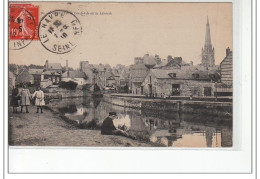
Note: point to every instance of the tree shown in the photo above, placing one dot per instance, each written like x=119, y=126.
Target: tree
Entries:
x=70, y=85
x=32, y=66
x=13, y=68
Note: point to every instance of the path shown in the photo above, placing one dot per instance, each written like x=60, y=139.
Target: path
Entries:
x=48, y=129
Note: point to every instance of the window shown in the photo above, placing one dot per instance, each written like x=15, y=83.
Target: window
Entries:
x=195, y=76
x=172, y=75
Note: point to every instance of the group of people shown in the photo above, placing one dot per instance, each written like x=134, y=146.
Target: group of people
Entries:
x=23, y=98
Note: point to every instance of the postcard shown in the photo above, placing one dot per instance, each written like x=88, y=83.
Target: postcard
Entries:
x=96, y=74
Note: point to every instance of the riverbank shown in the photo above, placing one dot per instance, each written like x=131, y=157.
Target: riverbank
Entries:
x=49, y=129
x=171, y=105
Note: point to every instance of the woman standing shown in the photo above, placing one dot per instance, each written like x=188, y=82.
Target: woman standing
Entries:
x=15, y=99
x=39, y=99
x=25, y=98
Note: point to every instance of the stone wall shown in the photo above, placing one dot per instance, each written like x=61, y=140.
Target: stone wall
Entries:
x=163, y=87
x=201, y=107
x=63, y=93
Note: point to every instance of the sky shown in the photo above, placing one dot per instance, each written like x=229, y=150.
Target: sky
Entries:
x=131, y=30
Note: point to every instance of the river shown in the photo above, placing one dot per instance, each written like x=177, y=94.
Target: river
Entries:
x=164, y=129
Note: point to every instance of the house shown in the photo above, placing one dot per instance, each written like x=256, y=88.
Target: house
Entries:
x=226, y=68
x=138, y=72
x=52, y=67
x=90, y=70
x=54, y=76
x=162, y=83
x=36, y=73
x=172, y=63
x=24, y=77
x=101, y=78
x=52, y=71
x=78, y=77
x=45, y=83
x=110, y=79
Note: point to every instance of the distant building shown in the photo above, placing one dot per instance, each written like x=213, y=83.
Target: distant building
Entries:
x=226, y=68
x=36, y=73
x=172, y=63
x=208, y=52
x=111, y=82
x=90, y=70
x=51, y=71
x=24, y=77
x=162, y=83
x=137, y=74
x=52, y=67
x=138, y=60
x=84, y=65
x=54, y=76
x=45, y=83
x=101, y=79
x=78, y=77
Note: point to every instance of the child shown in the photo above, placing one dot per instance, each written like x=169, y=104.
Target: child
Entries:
x=39, y=99
x=15, y=99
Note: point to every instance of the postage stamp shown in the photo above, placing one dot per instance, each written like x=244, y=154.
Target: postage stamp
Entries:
x=23, y=25
x=59, y=31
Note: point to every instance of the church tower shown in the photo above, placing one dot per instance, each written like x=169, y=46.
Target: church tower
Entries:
x=208, y=53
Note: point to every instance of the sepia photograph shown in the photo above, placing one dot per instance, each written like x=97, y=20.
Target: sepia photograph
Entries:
x=117, y=74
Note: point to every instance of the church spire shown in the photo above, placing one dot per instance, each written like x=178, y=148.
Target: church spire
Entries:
x=207, y=38
x=208, y=53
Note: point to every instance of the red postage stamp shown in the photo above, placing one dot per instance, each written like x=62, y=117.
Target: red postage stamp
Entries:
x=23, y=24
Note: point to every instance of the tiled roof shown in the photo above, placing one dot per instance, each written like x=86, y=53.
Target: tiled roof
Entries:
x=55, y=66
x=35, y=71
x=180, y=74
x=162, y=64
x=74, y=74
x=50, y=73
x=138, y=70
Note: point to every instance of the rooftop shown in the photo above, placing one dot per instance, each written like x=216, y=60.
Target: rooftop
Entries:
x=54, y=66
x=181, y=74
x=74, y=74
x=35, y=71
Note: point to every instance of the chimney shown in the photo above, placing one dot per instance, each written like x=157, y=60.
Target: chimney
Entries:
x=67, y=66
x=47, y=64
x=227, y=51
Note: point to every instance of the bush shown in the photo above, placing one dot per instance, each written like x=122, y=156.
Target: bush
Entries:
x=70, y=85
x=96, y=88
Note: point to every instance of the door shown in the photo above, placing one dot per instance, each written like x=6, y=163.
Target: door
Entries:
x=207, y=91
x=175, y=89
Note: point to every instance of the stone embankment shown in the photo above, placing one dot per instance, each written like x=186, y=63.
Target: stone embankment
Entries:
x=173, y=105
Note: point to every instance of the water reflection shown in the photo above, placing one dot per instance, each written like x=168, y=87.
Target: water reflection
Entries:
x=164, y=128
